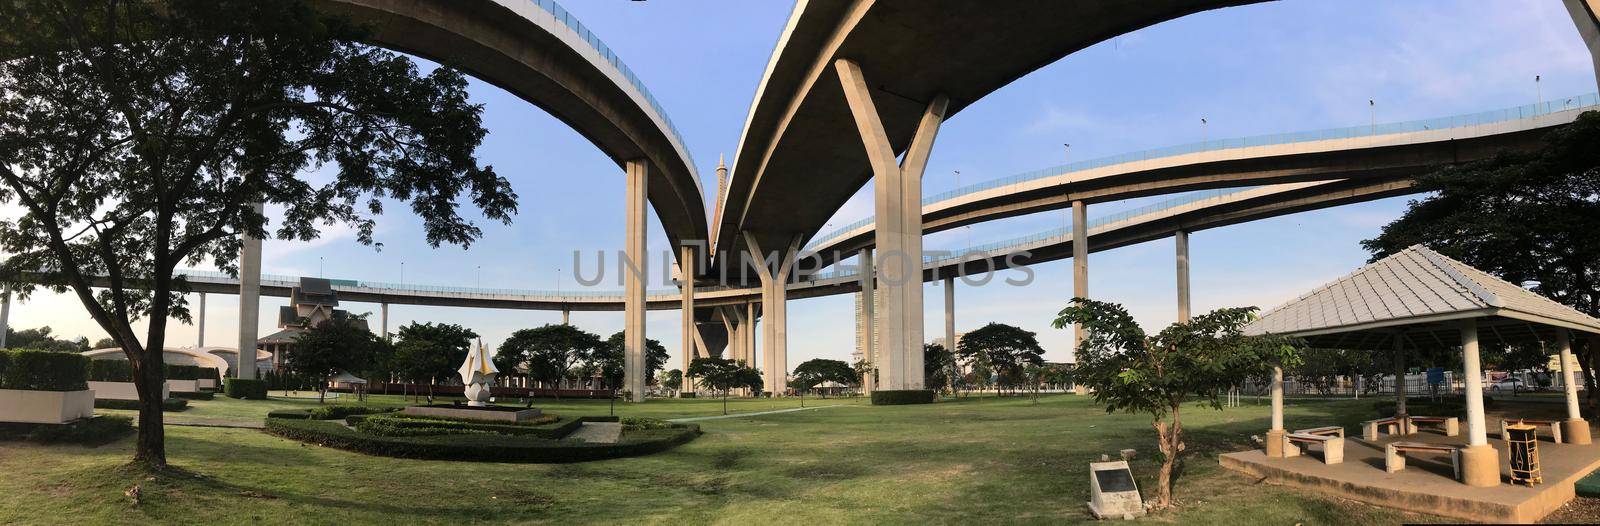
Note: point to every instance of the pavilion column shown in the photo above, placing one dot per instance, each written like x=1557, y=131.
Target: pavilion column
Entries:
x=1575, y=429
x=1080, y=262
x=686, y=266
x=634, y=279
x=1400, y=413
x=249, y=302
x=1480, y=462
x=1181, y=239
x=867, y=323
x=1275, y=435
x=897, y=191
x=200, y=323
x=1586, y=15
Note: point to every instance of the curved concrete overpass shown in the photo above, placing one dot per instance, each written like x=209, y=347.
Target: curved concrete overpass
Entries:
x=800, y=156
x=539, y=52
x=1412, y=148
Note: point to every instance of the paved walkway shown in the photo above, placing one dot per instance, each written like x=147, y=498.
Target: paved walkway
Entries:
x=720, y=417
x=598, y=432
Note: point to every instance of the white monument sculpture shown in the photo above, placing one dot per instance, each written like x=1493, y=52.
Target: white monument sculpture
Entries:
x=478, y=373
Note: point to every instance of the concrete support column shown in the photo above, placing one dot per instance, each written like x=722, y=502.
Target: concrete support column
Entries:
x=750, y=334
x=1275, y=435
x=249, y=302
x=950, y=324
x=566, y=317
x=1080, y=262
x=383, y=317
x=1181, y=239
x=5, y=316
x=868, y=323
x=1480, y=462
x=686, y=266
x=897, y=191
x=200, y=323
x=1586, y=15
x=774, y=277
x=633, y=297
x=1575, y=429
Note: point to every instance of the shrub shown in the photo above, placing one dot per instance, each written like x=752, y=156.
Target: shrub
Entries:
x=546, y=426
x=112, y=370
x=170, y=404
x=34, y=370
x=244, y=388
x=915, y=396
x=89, y=431
x=632, y=423
x=197, y=395
x=490, y=447
x=184, y=372
x=332, y=412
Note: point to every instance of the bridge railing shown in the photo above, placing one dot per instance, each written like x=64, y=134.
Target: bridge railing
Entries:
x=1528, y=111
x=566, y=18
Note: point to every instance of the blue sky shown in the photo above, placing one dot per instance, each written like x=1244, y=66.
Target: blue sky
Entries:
x=1276, y=67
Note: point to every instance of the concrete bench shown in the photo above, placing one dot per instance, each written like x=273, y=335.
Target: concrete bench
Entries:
x=1394, y=455
x=1325, y=431
x=1394, y=426
x=1554, y=425
x=1332, y=446
x=1449, y=424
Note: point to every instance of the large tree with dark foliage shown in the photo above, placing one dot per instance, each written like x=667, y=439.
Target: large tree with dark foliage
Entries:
x=1528, y=218
x=609, y=360
x=1005, y=349
x=1131, y=371
x=331, y=347
x=136, y=136
x=428, y=353
x=549, y=353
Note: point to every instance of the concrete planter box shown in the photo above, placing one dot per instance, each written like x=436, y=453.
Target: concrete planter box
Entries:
x=183, y=386
x=45, y=407
x=207, y=383
x=122, y=390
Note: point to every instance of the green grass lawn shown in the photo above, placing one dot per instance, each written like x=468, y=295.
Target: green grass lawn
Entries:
x=979, y=460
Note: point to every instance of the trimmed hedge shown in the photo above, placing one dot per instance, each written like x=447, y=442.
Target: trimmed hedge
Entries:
x=186, y=372
x=110, y=371
x=89, y=431
x=247, y=389
x=329, y=412
x=907, y=397
x=34, y=370
x=170, y=404
x=487, y=447
x=405, y=425
x=197, y=395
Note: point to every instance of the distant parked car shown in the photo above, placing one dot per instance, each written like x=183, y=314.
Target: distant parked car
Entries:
x=1513, y=385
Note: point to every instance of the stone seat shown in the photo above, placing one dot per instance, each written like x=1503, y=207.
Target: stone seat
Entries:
x=1394, y=455
x=1332, y=445
x=1449, y=424
x=1554, y=425
x=1394, y=426
x=1326, y=430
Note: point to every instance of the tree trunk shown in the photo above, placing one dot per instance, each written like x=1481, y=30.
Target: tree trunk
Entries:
x=1170, y=442
x=148, y=377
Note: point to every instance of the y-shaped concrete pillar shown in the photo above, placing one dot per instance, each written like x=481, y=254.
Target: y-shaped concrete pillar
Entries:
x=633, y=295
x=774, y=300
x=249, y=302
x=897, y=190
x=1586, y=15
x=1575, y=429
